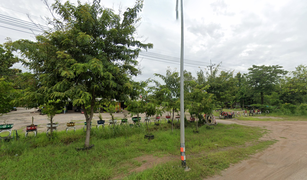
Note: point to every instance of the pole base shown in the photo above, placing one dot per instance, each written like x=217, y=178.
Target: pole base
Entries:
x=186, y=169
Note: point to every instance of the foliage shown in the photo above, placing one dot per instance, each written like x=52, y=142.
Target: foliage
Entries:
x=51, y=108
x=6, y=97
x=199, y=101
x=263, y=79
x=293, y=88
x=7, y=60
x=101, y=162
x=87, y=56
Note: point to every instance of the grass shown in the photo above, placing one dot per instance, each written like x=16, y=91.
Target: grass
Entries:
x=115, y=151
x=273, y=117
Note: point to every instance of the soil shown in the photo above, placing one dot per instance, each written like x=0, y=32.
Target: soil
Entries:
x=286, y=159
x=149, y=161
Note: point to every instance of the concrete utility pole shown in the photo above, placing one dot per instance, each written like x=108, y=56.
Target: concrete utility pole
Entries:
x=182, y=140
x=211, y=65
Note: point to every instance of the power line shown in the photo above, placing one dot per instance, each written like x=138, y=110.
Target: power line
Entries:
x=177, y=58
x=18, y=21
x=166, y=61
x=174, y=60
x=17, y=30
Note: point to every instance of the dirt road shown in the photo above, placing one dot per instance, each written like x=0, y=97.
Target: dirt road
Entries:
x=285, y=160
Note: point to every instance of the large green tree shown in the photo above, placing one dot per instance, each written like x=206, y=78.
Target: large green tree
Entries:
x=263, y=79
x=294, y=89
x=88, y=55
x=7, y=91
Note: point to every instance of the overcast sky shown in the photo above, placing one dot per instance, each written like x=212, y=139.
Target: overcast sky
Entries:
x=238, y=33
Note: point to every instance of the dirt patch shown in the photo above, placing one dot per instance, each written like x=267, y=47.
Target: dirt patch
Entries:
x=286, y=159
x=149, y=161
x=146, y=161
x=267, y=117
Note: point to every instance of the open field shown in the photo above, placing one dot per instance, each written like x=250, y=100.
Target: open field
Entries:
x=123, y=153
x=273, y=145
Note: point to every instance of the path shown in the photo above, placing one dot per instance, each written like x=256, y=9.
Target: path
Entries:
x=285, y=160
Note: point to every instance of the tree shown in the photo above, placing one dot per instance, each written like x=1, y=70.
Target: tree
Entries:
x=87, y=56
x=51, y=108
x=7, y=60
x=263, y=78
x=6, y=89
x=168, y=93
x=222, y=85
x=200, y=101
x=293, y=88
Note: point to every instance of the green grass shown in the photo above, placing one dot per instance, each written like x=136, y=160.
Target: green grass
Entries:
x=273, y=117
x=115, y=149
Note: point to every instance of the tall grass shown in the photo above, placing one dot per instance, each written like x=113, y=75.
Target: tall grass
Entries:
x=115, y=149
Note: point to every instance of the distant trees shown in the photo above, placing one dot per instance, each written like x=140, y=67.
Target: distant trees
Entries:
x=294, y=87
x=263, y=79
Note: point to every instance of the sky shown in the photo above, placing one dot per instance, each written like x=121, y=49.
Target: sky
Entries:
x=233, y=33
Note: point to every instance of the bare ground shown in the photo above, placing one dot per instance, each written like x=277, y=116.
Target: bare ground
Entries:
x=285, y=160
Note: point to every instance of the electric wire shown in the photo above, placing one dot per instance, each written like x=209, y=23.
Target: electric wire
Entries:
x=28, y=23
x=16, y=30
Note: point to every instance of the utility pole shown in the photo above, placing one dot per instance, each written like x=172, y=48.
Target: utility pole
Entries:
x=211, y=65
x=182, y=139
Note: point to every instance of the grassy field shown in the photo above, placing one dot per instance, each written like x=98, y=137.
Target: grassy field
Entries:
x=264, y=117
x=119, y=153
x=273, y=117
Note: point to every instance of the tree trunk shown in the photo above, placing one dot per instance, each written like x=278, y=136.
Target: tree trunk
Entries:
x=51, y=121
x=173, y=118
x=261, y=94
x=88, y=118
x=88, y=132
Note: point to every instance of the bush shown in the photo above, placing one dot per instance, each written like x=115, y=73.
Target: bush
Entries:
x=289, y=108
x=302, y=109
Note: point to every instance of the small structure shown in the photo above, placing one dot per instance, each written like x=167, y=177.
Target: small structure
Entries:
x=157, y=120
x=70, y=125
x=177, y=118
x=168, y=117
x=84, y=127
x=124, y=121
x=112, y=122
x=136, y=120
x=31, y=128
x=54, y=126
x=100, y=123
x=147, y=119
x=6, y=127
x=192, y=119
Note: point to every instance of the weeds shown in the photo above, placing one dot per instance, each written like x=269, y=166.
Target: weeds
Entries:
x=115, y=150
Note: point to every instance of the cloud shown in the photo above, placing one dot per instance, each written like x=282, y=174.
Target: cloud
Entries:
x=237, y=33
